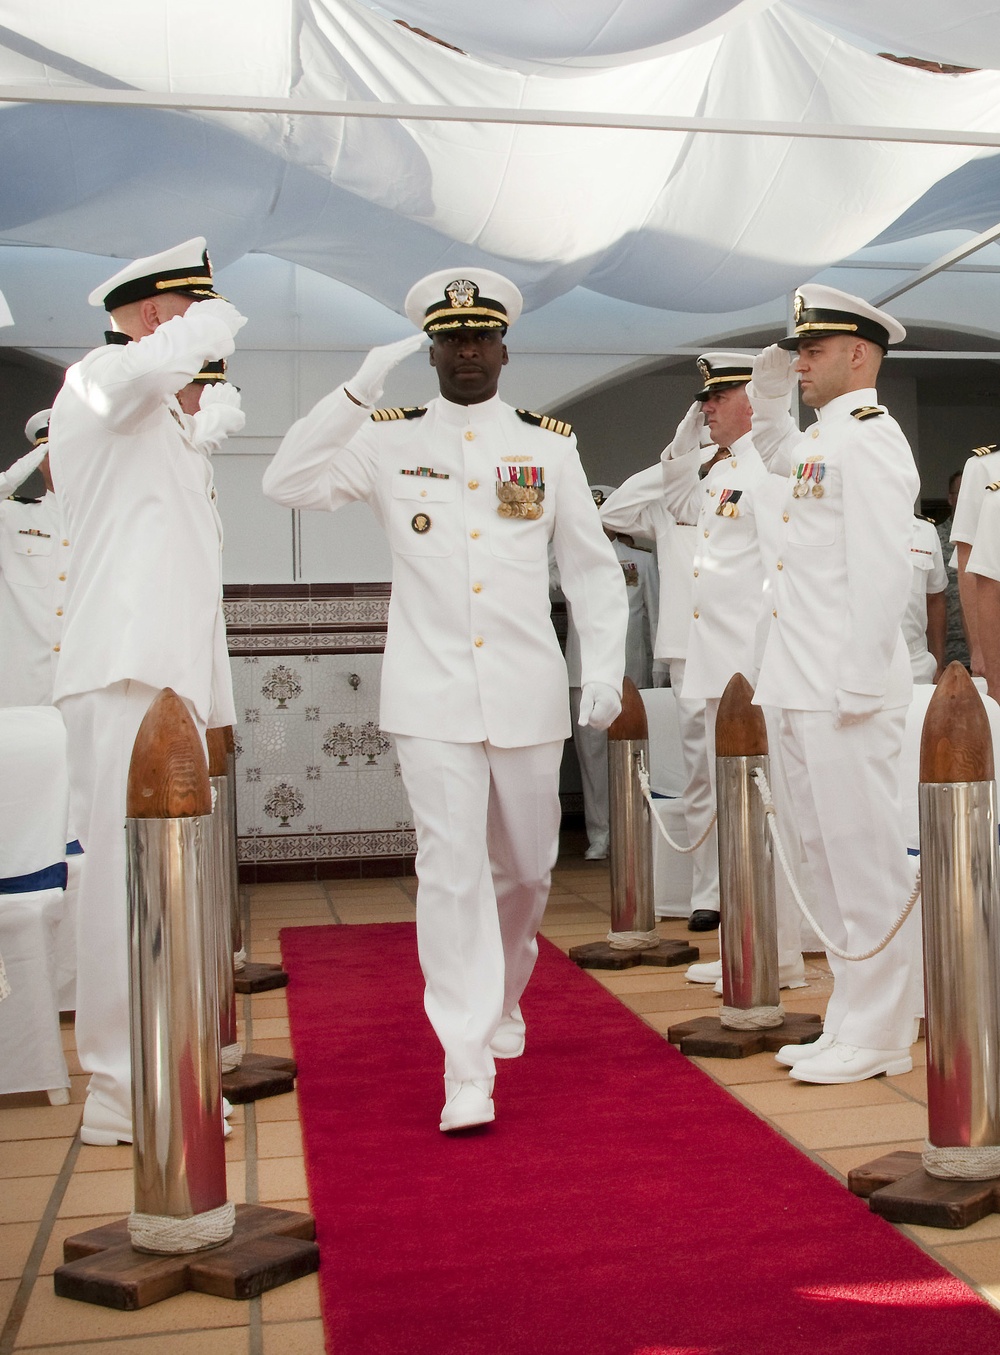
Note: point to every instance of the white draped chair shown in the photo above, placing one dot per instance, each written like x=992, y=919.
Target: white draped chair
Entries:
x=34, y=801
x=667, y=778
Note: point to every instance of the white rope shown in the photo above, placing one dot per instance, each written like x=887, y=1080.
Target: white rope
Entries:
x=647, y=795
x=232, y=1056
x=772, y=822
x=633, y=940
x=5, y=989
x=164, y=1233
x=240, y=959
x=962, y=1164
x=752, y=1018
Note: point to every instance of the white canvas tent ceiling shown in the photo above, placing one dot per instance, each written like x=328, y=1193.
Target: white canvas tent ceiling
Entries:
x=599, y=219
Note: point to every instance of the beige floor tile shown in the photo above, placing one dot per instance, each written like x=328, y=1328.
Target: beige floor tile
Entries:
x=236, y=1182
x=980, y=1261
x=358, y=885
x=98, y=1192
x=8, y=1288
x=734, y=1072
x=772, y=1098
x=284, y=1107
x=270, y=1028
x=280, y=1048
x=24, y=1201
x=267, y=954
x=673, y=1001
x=269, y=1004
x=298, y=1206
x=857, y=1124
x=294, y=1338
x=300, y=1299
x=282, y=1138
x=49, y=1320
x=77, y=1090
x=91, y=1159
x=299, y=890
x=913, y=1084
x=644, y=979
x=281, y=1178
x=230, y=1341
x=32, y=1157
x=16, y=1241
x=236, y=1142
x=41, y=1122
x=661, y=1021
x=844, y=1160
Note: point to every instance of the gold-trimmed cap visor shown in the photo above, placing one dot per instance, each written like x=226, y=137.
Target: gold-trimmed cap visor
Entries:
x=814, y=323
x=723, y=378
x=211, y=373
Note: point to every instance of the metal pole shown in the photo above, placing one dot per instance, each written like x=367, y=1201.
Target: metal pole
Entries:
x=749, y=928
x=631, y=849
x=178, y=1155
x=223, y=876
x=961, y=926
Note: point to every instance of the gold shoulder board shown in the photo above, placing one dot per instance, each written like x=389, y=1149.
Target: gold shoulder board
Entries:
x=402, y=412
x=994, y=485
x=984, y=451
x=866, y=412
x=545, y=421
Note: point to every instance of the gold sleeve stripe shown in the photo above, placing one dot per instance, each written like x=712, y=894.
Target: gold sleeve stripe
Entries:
x=400, y=412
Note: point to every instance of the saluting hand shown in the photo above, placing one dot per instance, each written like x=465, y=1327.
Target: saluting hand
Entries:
x=773, y=374
x=687, y=439
x=367, y=384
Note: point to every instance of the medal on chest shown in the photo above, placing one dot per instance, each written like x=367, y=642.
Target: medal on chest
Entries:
x=520, y=490
x=809, y=477
x=729, y=500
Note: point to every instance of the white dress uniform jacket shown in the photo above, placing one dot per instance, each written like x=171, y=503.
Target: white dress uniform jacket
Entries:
x=985, y=556
x=977, y=473
x=845, y=572
x=638, y=509
x=929, y=576
x=642, y=589
x=727, y=573
x=144, y=594
x=471, y=653
x=34, y=557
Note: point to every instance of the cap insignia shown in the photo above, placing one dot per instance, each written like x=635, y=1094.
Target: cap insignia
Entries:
x=798, y=306
x=461, y=292
x=704, y=370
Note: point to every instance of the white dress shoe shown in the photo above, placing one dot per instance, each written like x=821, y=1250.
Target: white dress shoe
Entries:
x=710, y=972
x=103, y=1127
x=468, y=1104
x=227, y=1109
x=508, y=1042
x=849, y=1063
x=597, y=851
x=791, y=1054
x=789, y=975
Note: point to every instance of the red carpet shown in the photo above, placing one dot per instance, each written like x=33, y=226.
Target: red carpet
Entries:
x=569, y=1227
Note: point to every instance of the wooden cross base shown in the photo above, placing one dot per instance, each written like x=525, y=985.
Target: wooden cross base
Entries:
x=602, y=955
x=259, y=1075
x=269, y=1248
x=259, y=978
x=898, y=1189
x=706, y=1037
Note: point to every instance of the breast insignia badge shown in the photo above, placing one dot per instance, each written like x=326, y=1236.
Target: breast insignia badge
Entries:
x=420, y=523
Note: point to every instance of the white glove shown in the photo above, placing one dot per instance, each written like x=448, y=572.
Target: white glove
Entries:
x=773, y=376
x=600, y=704
x=224, y=311
x=850, y=708
x=14, y=476
x=368, y=382
x=219, y=416
x=688, y=436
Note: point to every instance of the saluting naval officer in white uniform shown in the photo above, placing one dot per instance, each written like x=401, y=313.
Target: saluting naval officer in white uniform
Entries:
x=980, y=470
x=984, y=566
x=34, y=555
x=836, y=665
x=639, y=507
x=735, y=504
x=143, y=604
x=474, y=687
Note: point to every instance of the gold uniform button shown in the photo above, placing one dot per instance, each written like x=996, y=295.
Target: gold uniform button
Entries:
x=55, y=649
x=732, y=463
x=59, y=611
x=706, y=531
x=477, y=587
x=470, y=435
x=696, y=616
x=473, y=484
x=775, y=612
x=62, y=578
x=815, y=432
x=712, y=492
x=780, y=565
x=475, y=535
x=65, y=542
x=696, y=573
x=479, y=642
x=784, y=517
x=423, y=493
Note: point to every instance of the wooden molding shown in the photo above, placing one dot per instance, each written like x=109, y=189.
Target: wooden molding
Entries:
x=168, y=774
x=956, y=743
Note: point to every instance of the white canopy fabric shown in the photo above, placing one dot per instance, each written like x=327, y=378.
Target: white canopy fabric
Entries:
x=683, y=221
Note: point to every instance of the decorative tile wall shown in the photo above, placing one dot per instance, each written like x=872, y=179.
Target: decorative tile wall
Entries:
x=318, y=782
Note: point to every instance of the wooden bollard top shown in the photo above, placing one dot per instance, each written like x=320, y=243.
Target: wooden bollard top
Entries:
x=217, y=750
x=631, y=722
x=740, y=730
x=168, y=774
x=956, y=743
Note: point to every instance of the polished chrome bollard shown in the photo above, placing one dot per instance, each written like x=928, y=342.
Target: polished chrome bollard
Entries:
x=225, y=892
x=748, y=928
x=178, y=1154
x=961, y=931
x=631, y=849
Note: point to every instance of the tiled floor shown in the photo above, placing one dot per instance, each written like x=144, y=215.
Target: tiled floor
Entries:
x=52, y=1187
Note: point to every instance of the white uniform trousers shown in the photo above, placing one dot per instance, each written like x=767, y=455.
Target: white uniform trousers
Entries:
x=699, y=794
x=101, y=727
x=592, y=754
x=786, y=909
x=844, y=785
x=487, y=822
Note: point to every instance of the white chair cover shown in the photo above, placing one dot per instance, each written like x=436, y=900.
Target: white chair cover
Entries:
x=34, y=799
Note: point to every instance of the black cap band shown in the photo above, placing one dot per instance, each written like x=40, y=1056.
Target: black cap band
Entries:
x=190, y=281
x=814, y=323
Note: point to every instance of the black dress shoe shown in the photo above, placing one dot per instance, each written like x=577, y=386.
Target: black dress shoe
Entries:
x=703, y=920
